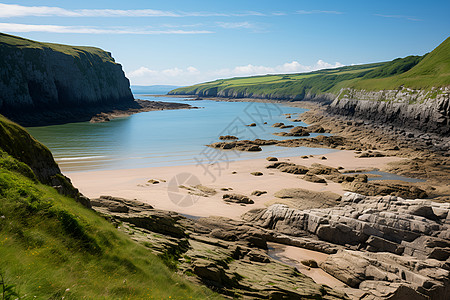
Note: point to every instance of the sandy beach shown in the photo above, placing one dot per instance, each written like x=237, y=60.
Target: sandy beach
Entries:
x=236, y=176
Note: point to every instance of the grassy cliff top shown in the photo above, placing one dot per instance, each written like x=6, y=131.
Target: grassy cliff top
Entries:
x=18, y=42
x=430, y=70
x=52, y=247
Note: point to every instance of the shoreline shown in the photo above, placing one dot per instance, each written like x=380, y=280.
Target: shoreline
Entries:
x=402, y=159
x=134, y=183
x=145, y=106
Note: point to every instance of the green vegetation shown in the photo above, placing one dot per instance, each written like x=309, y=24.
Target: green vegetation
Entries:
x=75, y=51
x=430, y=70
x=53, y=247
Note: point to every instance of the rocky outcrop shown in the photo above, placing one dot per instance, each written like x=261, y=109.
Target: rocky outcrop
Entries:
x=386, y=223
x=425, y=110
x=392, y=246
x=244, y=145
x=44, y=83
x=138, y=107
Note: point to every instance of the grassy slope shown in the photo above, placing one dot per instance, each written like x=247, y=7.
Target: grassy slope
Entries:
x=285, y=85
x=75, y=51
x=52, y=247
x=426, y=71
x=432, y=70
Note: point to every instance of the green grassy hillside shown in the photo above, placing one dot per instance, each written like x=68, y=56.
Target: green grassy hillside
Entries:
x=294, y=86
x=52, y=247
x=432, y=69
x=18, y=42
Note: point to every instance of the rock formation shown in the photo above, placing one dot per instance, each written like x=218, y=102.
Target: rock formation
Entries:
x=426, y=110
x=391, y=245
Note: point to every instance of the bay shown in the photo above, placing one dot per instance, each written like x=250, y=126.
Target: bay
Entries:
x=170, y=137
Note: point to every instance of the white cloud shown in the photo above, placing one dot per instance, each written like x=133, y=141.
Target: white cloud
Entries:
x=141, y=72
x=191, y=75
x=14, y=10
x=14, y=27
x=234, y=25
x=309, y=12
x=192, y=70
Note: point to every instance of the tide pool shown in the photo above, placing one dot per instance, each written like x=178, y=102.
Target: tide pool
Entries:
x=170, y=137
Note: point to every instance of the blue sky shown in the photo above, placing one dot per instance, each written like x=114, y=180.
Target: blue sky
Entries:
x=185, y=42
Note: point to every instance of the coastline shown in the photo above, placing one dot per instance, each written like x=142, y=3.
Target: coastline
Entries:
x=402, y=156
x=144, y=106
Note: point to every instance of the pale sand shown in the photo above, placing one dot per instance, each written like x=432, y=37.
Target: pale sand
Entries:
x=132, y=183
x=293, y=256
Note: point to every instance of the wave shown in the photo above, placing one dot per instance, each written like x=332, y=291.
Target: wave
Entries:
x=78, y=158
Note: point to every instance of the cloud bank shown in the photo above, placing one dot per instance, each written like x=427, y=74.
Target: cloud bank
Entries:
x=14, y=10
x=192, y=75
x=14, y=27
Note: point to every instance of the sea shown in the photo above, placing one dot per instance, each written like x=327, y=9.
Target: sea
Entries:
x=170, y=137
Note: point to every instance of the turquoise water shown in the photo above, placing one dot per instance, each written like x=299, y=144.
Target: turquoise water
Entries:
x=167, y=138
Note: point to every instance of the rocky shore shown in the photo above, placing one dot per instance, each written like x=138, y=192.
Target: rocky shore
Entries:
x=141, y=106
x=379, y=247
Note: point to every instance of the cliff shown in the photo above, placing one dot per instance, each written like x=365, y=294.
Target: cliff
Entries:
x=423, y=110
x=43, y=83
x=417, y=99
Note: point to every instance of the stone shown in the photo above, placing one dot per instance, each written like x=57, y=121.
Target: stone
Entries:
x=258, y=193
x=314, y=178
x=288, y=168
x=237, y=198
x=306, y=199
x=271, y=158
x=257, y=173
x=228, y=137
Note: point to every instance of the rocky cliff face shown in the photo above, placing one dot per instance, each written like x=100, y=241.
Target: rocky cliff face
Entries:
x=427, y=111
x=236, y=94
x=44, y=83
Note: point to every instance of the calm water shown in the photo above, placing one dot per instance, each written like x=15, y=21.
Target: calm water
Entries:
x=165, y=138
x=388, y=176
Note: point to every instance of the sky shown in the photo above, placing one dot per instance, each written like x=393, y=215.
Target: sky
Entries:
x=185, y=42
